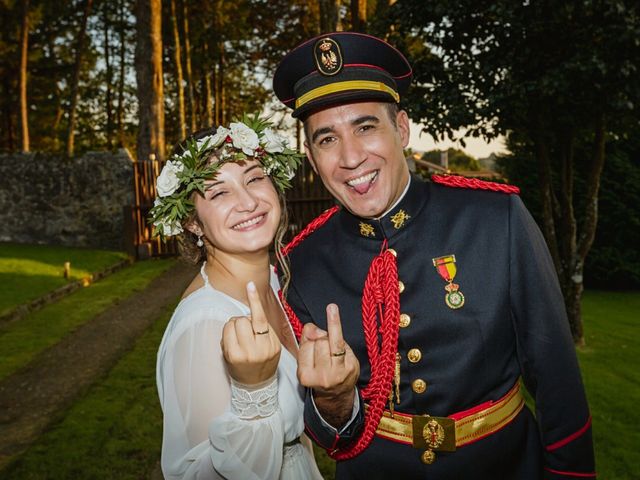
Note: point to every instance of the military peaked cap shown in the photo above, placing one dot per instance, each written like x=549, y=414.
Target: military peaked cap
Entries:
x=339, y=68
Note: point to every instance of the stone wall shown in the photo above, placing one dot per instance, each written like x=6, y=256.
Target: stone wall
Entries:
x=49, y=199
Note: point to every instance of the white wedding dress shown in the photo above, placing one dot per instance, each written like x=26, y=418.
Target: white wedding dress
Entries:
x=214, y=428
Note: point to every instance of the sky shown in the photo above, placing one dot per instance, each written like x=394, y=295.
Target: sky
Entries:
x=418, y=141
x=476, y=147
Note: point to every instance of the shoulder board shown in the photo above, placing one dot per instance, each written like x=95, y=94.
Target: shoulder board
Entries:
x=457, y=181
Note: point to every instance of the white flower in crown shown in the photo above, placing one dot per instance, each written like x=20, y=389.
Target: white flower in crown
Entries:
x=272, y=142
x=214, y=140
x=168, y=181
x=268, y=169
x=175, y=165
x=244, y=138
x=290, y=173
x=168, y=228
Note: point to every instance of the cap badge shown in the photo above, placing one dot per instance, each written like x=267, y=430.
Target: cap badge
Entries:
x=367, y=230
x=399, y=218
x=446, y=268
x=328, y=56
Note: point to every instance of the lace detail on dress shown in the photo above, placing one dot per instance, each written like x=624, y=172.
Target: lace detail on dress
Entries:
x=248, y=404
x=290, y=454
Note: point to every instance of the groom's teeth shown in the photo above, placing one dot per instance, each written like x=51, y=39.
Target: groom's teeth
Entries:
x=365, y=178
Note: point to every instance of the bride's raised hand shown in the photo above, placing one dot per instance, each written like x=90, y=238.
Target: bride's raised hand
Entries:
x=250, y=346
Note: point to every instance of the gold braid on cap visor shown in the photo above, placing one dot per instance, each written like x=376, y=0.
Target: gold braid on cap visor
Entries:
x=344, y=86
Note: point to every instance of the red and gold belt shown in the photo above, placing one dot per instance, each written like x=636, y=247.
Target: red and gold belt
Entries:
x=444, y=434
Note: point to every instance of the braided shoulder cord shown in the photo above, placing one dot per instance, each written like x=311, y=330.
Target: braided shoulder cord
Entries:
x=464, y=182
x=313, y=225
x=380, y=315
x=309, y=229
x=380, y=299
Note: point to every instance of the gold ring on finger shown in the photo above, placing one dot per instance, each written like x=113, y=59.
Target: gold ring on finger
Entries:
x=263, y=332
x=339, y=354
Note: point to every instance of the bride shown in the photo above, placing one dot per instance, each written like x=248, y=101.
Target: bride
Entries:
x=226, y=368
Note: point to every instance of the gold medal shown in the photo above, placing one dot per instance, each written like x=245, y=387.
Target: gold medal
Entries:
x=446, y=268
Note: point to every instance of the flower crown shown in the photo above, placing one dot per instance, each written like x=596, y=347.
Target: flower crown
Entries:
x=187, y=171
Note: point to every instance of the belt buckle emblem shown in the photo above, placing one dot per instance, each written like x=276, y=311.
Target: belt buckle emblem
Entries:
x=434, y=433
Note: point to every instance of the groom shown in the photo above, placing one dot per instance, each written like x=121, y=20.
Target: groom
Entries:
x=442, y=297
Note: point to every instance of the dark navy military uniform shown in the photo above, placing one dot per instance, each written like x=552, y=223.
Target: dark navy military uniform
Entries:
x=512, y=325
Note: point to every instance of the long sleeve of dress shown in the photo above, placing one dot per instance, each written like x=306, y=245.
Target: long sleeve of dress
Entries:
x=204, y=436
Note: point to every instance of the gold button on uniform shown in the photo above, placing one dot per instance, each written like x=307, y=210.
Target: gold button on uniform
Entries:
x=414, y=355
x=393, y=252
x=405, y=320
x=400, y=286
x=419, y=385
x=428, y=457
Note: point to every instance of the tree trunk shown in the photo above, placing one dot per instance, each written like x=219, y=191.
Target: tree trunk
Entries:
x=569, y=249
x=593, y=188
x=122, y=66
x=149, y=80
x=187, y=63
x=178, y=63
x=208, y=100
x=24, y=51
x=9, y=140
x=572, y=297
x=571, y=272
x=329, y=15
x=214, y=93
x=359, y=15
x=59, y=109
x=58, y=118
x=548, y=200
x=76, y=78
x=220, y=90
x=219, y=102
x=382, y=12
x=568, y=224
x=109, y=77
x=575, y=285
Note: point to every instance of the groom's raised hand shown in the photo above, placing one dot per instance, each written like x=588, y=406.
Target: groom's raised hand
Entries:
x=327, y=364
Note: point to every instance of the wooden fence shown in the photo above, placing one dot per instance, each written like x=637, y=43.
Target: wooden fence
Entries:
x=307, y=199
x=138, y=231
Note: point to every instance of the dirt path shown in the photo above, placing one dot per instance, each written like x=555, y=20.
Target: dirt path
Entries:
x=32, y=398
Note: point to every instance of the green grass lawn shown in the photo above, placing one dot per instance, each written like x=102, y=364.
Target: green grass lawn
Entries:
x=21, y=340
x=29, y=271
x=115, y=431
x=610, y=371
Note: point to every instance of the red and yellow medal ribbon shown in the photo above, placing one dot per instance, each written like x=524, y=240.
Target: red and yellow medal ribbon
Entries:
x=446, y=267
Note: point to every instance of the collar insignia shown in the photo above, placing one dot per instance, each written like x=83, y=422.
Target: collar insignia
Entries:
x=399, y=218
x=367, y=230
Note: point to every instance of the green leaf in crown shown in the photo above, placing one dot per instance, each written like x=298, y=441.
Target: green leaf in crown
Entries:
x=186, y=172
